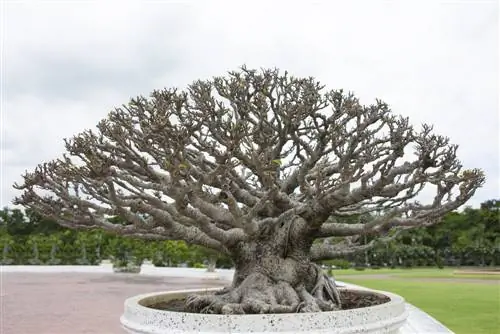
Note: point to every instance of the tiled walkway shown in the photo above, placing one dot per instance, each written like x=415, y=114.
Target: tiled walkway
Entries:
x=76, y=303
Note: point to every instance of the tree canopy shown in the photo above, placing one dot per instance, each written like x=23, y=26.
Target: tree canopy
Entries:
x=217, y=163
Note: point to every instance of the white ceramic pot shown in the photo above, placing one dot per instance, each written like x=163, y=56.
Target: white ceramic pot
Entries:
x=138, y=319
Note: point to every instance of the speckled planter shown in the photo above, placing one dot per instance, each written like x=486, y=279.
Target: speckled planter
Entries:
x=138, y=319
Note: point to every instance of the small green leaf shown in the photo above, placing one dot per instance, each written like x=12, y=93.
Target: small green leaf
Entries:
x=277, y=162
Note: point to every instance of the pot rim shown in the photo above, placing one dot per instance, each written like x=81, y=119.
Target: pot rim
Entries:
x=386, y=317
x=134, y=302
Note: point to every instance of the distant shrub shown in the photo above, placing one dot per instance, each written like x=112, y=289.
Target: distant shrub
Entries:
x=408, y=264
x=360, y=267
x=130, y=268
x=340, y=264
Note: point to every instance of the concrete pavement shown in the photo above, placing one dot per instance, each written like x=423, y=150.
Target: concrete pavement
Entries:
x=76, y=303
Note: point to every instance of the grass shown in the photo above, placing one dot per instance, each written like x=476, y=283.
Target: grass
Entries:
x=464, y=307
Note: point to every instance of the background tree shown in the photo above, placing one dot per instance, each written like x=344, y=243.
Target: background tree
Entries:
x=6, y=244
x=256, y=165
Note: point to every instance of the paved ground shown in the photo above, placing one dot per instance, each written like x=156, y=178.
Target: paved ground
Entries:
x=480, y=272
x=420, y=279
x=71, y=303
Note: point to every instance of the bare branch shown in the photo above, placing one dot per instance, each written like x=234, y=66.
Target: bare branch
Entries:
x=326, y=251
x=213, y=164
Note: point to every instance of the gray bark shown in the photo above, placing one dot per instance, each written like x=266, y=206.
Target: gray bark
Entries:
x=274, y=274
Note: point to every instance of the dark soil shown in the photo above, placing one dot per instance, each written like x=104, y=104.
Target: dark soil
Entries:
x=350, y=300
x=355, y=299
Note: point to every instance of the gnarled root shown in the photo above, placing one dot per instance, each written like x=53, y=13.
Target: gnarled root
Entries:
x=325, y=290
x=258, y=293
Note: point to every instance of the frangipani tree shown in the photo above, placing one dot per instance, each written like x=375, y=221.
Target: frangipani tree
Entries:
x=256, y=165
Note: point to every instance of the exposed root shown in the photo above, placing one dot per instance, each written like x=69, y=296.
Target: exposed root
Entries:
x=326, y=290
x=260, y=294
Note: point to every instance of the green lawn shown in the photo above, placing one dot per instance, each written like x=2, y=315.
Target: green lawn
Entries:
x=468, y=308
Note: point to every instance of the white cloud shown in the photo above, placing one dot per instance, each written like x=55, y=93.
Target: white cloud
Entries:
x=67, y=63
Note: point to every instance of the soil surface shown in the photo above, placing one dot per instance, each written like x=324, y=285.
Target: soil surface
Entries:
x=350, y=300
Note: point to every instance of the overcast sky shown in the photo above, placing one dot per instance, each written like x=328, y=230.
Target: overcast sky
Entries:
x=67, y=63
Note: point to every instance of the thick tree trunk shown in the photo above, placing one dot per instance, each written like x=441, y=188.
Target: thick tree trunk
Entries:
x=273, y=275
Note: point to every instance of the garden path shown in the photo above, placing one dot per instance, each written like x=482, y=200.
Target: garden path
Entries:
x=76, y=303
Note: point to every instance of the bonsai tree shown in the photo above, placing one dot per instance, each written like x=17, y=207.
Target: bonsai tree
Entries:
x=256, y=165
